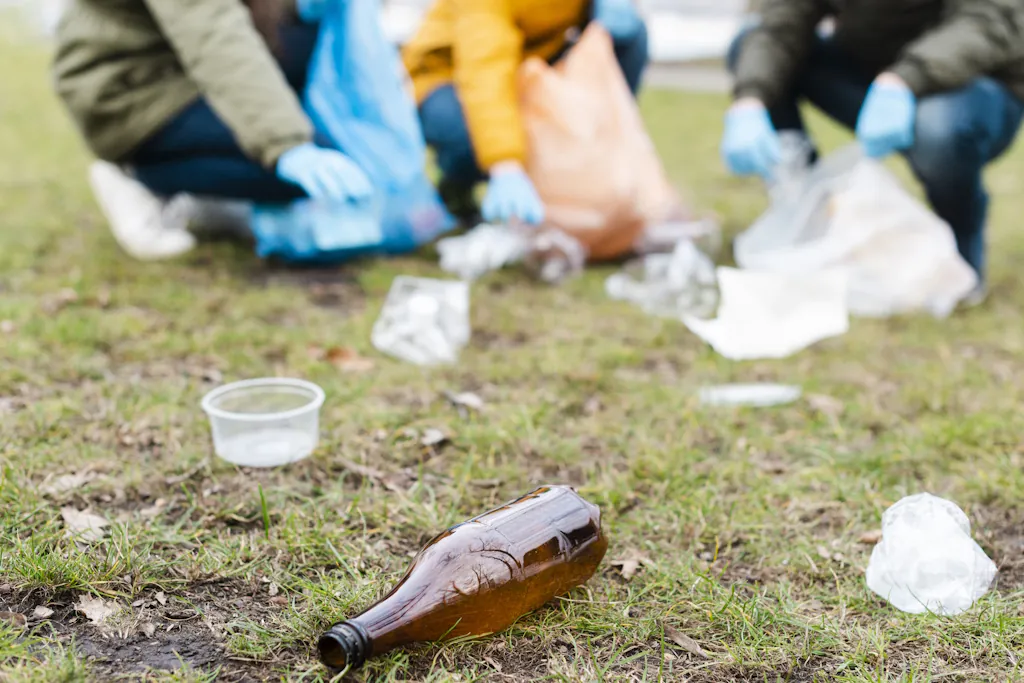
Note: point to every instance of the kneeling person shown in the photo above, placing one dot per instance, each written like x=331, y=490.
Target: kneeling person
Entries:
x=463, y=63
x=941, y=81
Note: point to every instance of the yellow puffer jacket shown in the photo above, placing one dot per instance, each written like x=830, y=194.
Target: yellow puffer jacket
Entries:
x=478, y=46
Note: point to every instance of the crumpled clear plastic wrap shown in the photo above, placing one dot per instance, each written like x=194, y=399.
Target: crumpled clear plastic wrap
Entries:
x=424, y=321
x=705, y=233
x=927, y=560
x=550, y=255
x=483, y=249
x=669, y=285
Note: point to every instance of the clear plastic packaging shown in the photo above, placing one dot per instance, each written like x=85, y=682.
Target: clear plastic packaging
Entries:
x=424, y=321
x=265, y=422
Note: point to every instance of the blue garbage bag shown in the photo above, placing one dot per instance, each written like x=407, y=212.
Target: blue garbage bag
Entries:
x=355, y=97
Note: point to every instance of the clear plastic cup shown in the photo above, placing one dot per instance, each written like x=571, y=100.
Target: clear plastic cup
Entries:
x=265, y=422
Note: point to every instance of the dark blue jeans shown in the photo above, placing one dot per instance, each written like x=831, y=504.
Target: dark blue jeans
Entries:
x=196, y=153
x=444, y=124
x=957, y=133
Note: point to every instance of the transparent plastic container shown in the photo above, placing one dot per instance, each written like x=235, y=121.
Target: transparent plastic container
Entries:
x=265, y=422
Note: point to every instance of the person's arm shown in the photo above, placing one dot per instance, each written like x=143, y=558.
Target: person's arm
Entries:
x=221, y=51
x=487, y=52
x=774, y=51
x=976, y=37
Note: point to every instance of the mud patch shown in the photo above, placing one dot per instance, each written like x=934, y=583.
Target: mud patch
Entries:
x=1000, y=532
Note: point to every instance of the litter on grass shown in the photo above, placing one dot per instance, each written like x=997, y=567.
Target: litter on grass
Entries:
x=927, y=560
x=669, y=285
x=753, y=395
x=424, y=321
x=773, y=315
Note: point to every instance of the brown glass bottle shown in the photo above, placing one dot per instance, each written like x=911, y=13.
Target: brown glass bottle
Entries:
x=479, y=576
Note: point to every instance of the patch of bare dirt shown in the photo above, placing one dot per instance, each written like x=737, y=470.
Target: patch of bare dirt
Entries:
x=1000, y=532
x=155, y=632
x=332, y=288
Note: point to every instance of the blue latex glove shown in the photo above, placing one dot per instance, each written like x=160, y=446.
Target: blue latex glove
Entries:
x=886, y=121
x=325, y=174
x=510, y=195
x=311, y=11
x=750, y=145
x=619, y=17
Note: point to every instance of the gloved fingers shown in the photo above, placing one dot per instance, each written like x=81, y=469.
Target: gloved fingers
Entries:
x=738, y=161
x=334, y=183
x=358, y=184
x=314, y=187
x=766, y=155
x=530, y=211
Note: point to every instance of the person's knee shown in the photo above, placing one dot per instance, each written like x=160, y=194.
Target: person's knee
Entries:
x=732, y=55
x=445, y=130
x=947, y=141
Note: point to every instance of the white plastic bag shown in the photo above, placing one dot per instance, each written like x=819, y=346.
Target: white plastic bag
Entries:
x=773, y=315
x=927, y=560
x=851, y=213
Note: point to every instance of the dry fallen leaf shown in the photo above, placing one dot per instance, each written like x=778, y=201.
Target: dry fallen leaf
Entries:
x=684, y=641
x=67, y=482
x=42, y=612
x=870, y=537
x=630, y=564
x=161, y=597
x=149, y=629
x=278, y=600
x=465, y=402
x=432, y=437
x=393, y=482
x=348, y=360
x=826, y=405
x=14, y=619
x=84, y=526
x=96, y=610
x=823, y=552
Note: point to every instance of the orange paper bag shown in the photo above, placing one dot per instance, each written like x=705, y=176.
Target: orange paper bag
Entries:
x=589, y=155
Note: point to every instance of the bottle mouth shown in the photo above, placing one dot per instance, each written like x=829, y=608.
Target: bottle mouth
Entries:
x=344, y=646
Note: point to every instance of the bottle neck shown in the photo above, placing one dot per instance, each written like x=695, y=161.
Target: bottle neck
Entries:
x=346, y=645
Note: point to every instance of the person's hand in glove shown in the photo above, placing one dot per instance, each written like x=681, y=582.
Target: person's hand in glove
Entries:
x=886, y=120
x=619, y=17
x=311, y=11
x=750, y=145
x=511, y=195
x=325, y=174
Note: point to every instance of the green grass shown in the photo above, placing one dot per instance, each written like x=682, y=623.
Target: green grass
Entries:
x=750, y=519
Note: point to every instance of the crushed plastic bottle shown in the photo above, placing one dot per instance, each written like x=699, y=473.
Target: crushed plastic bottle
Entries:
x=669, y=285
x=555, y=256
x=424, y=321
x=927, y=560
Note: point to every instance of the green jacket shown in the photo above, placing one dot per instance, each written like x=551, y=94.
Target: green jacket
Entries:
x=934, y=45
x=124, y=68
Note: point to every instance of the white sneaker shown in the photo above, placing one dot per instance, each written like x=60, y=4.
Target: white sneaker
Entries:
x=138, y=218
x=207, y=217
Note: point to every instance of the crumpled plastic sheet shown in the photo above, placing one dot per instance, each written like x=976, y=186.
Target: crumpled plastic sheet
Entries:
x=705, y=233
x=550, y=255
x=424, y=321
x=483, y=249
x=669, y=285
x=927, y=560
x=773, y=315
x=760, y=395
